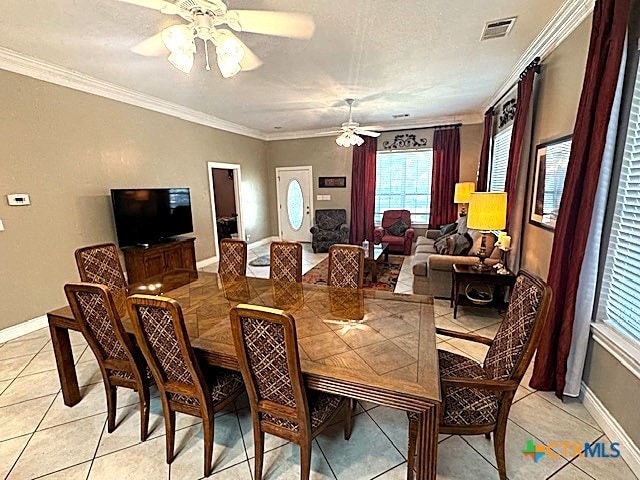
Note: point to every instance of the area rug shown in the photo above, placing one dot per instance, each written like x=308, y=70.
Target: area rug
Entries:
x=387, y=274
x=261, y=261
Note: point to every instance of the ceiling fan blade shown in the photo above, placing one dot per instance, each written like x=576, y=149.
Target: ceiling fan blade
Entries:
x=159, y=5
x=250, y=60
x=370, y=127
x=367, y=133
x=280, y=24
x=151, y=47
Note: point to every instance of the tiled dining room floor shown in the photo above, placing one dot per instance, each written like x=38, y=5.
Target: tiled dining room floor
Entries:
x=40, y=437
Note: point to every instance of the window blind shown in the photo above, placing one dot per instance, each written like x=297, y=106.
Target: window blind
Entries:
x=403, y=181
x=499, y=160
x=620, y=296
x=555, y=173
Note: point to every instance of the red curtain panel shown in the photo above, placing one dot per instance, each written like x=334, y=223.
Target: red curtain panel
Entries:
x=363, y=191
x=485, y=153
x=445, y=174
x=610, y=18
x=525, y=89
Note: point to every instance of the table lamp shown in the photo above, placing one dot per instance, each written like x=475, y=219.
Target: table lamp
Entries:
x=487, y=211
x=461, y=195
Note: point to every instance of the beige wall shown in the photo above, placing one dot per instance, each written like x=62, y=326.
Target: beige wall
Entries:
x=67, y=149
x=558, y=95
x=328, y=159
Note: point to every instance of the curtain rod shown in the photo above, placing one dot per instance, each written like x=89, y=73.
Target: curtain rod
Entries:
x=535, y=65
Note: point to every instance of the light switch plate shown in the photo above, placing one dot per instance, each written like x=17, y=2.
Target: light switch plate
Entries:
x=18, y=199
x=319, y=197
x=1, y=226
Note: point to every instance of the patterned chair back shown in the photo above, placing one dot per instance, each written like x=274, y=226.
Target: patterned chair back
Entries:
x=101, y=264
x=330, y=218
x=233, y=257
x=267, y=349
x=518, y=334
x=94, y=309
x=286, y=262
x=346, y=266
x=162, y=336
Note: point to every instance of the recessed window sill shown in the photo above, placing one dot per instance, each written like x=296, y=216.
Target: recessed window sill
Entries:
x=624, y=350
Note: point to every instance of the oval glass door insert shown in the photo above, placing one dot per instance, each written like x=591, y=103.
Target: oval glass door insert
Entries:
x=295, y=204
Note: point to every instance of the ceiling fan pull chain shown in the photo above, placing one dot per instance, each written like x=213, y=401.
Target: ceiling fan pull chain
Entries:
x=206, y=54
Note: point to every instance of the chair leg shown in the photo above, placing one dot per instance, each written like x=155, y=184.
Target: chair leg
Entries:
x=207, y=426
x=112, y=402
x=411, y=452
x=348, y=418
x=144, y=397
x=170, y=427
x=258, y=447
x=498, y=445
x=305, y=460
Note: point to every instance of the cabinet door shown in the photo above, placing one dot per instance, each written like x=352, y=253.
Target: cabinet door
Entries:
x=153, y=264
x=173, y=258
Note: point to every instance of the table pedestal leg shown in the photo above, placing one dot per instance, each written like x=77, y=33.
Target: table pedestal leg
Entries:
x=66, y=368
x=427, y=444
x=374, y=271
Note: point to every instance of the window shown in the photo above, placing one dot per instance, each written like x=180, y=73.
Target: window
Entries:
x=620, y=297
x=403, y=181
x=499, y=160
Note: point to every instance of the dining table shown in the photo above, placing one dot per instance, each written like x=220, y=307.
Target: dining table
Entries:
x=368, y=345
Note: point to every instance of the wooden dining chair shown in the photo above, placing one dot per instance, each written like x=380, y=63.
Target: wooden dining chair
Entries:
x=267, y=349
x=286, y=261
x=161, y=333
x=121, y=363
x=477, y=398
x=101, y=264
x=233, y=257
x=346, y=266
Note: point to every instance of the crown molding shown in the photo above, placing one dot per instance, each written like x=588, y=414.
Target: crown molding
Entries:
x=32, y=67
x=465, y=119
x=568, y=17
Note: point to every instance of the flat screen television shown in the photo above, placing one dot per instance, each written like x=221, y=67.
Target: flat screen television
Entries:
x=146, y=216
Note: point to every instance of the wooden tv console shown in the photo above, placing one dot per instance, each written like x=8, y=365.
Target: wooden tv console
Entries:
x=145, y=262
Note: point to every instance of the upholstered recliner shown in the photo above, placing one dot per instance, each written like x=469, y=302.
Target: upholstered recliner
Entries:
x=396, y=231
x=330, y=228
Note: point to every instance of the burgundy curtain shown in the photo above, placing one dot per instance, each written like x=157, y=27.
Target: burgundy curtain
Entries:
x=485, y=153
x=608, y=33
x=525, y=89
x=363, y=191
x=444, y=176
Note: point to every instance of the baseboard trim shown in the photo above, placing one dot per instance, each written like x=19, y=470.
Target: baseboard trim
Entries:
x=264, y=241
x=614, y=431
x=206, y=262
x=211, y=260
x=15, y=331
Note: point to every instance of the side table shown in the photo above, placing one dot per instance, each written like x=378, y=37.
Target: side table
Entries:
x=465, y=274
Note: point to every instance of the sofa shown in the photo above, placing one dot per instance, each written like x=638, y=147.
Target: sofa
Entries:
x=330, y=228
x=432, y=270
x=399, y=241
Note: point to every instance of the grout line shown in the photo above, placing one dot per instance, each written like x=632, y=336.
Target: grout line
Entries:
x=324, y=456
x=482, y=456
x=387, y=471
x=59, y=470
x=387, y=436
x=93, y=459
x=569, y=413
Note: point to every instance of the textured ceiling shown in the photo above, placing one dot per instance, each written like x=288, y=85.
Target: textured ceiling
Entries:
x=423, y=58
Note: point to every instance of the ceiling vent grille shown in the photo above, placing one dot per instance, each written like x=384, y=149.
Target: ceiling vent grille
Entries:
x=498, y=28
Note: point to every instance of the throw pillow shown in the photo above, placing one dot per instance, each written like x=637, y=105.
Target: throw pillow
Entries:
x=463, y=244
x=476, y=236
x=462, y=225
x=451, y=244
x=441, y=245
x=397, y=229
x=449, y=228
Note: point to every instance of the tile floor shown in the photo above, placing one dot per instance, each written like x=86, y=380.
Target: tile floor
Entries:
x=41, y=438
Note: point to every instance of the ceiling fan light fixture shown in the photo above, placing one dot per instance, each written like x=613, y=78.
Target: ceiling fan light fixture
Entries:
x=228, y=66
x=182, y=61
x=179, y=38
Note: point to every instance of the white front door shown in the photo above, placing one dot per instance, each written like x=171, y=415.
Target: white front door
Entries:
x=295, y=189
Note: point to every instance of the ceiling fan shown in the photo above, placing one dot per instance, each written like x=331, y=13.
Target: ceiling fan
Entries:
x=204, y=18
x=350, y=131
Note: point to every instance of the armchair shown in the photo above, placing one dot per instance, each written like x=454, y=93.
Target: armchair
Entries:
x=387, y=233
x=330, y=228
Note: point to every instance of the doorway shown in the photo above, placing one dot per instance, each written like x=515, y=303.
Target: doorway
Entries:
x=294, y=187
x=224, y=185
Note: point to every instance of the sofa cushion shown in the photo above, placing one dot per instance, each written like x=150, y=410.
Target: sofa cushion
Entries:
x=398, y=228
x=425, y=249
x=441, y=245
x=449, y=228
x=420, y=263
x=421, y=240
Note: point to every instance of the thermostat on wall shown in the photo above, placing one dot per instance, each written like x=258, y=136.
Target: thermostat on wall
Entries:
x=17, y=199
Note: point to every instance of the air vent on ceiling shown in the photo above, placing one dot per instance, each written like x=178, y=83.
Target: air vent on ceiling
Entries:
x=400, y=115
x=498, y=28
